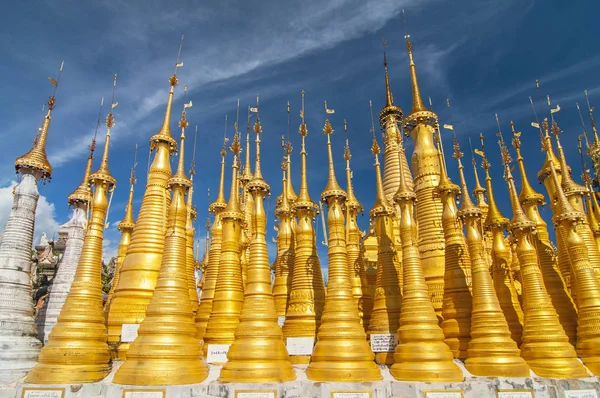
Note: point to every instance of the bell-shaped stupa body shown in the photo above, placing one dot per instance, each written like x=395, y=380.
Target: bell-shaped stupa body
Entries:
x=258, y=353
x=19, y=346
x=421, y=354
x=491, y=351
x=307, y=296
x=457, y=303
x=229, y=291
x=210, y=274
x=168, y=327
x=142, y=263
x=544, y=344
x=426, y=173
x=75, y=228
x=387, y=297
x=340, y=329
x=76, y=351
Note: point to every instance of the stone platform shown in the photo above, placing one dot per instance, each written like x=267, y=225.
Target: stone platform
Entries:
x=472, y=387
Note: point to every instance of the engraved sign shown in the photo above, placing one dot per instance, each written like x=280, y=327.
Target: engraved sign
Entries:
x=256, y=394
x=217, y=353
x=281, y=320
x=384, y=342
x=129, y=393
x=300, y=345
x=43, y=393
x=443, y=394
x=581, y=394
x=514, y=393
x=351, y=394
x=129, y=332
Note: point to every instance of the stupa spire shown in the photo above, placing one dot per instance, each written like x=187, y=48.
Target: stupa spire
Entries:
x=288, y=150
x=81, y=332
x=247, y=174
x=83, y=192
x=417, y=101
x=192, y=214
x=36, y=158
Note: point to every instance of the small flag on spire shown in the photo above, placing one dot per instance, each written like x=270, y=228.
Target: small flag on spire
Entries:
x=179, y=64
x=188, y=105
x=449, y=127
x=327, y=110
x=555, y=109
x=479, y=152
x=302, y=113
x=53, y=81
x=536, y=125
x=253, y=109
x=114, y=105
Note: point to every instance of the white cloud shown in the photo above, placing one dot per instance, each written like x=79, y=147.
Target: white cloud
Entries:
x=45, y=215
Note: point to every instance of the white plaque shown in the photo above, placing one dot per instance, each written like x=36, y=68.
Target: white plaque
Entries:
x=444, y=394
x=281, y=320
x=351, y=394
x=217, y=353
x=43, y=393
x=300, y=345
x=383, y=342
x=581, y=394
x=514, y=394
x=129, y=332
x=144, y=394
x=256, y=394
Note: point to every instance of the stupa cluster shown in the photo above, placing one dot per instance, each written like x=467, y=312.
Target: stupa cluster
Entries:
x=447, y=282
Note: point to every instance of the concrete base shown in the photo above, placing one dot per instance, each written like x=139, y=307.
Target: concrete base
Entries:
x=472, y=387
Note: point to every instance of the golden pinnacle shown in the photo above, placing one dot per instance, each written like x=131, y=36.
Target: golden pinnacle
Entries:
x=375, y=147
x=288, y=148
x=110, y=120
x=457, y=153
x=235, y=145
x=347, y=154
x=173, y=80
x=257, y=126
x=51, y=102
x=183, y=123
x=303, y=130
x=327, y=129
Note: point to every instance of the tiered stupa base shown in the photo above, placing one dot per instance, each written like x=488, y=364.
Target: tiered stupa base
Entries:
x=472, y=387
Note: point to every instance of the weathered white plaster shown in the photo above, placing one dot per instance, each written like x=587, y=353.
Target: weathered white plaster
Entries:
x=19, y=346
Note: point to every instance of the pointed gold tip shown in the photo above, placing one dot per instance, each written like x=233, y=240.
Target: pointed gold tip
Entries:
x=375, y=150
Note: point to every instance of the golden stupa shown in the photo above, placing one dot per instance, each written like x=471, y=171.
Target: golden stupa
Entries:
x=258, y=353
x=166, y=350
x=76, y=351
x=142, y=263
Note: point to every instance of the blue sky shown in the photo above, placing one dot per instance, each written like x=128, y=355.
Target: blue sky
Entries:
x=484, y=55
